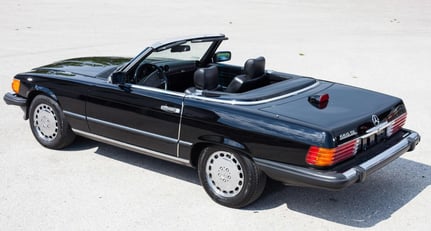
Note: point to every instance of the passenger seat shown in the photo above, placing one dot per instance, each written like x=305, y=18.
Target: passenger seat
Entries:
x=253, y=77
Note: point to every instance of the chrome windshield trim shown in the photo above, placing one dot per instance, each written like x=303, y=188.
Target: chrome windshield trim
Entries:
x=133, y=148
x=138, y=58
x=199, y=37
x=249, y=103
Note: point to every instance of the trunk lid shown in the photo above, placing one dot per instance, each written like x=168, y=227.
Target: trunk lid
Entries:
x=348, y=113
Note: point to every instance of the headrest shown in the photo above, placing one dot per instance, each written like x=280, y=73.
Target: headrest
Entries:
x=254, y=67
x=206, y=78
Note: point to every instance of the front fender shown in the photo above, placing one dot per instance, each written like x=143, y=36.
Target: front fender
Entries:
x=39, y=89
x=34, y=90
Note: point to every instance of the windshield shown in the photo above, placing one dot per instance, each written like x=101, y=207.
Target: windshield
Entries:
x=188, y=51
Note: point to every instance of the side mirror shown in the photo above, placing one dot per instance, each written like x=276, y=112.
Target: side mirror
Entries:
x=118, y=78
x=222, y=56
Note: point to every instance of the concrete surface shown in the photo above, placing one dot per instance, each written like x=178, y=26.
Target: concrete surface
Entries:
x=382, y=45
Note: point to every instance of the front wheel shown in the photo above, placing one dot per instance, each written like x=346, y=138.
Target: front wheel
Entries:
x=230, y=179
x=48, y=124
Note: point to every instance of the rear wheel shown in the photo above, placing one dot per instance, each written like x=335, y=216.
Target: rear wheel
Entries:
x=229, y=178
x=48, y=123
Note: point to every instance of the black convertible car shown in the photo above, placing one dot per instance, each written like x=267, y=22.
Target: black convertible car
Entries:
x=237, y=125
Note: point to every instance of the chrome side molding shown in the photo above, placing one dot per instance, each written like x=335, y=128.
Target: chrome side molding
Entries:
x=133, y=148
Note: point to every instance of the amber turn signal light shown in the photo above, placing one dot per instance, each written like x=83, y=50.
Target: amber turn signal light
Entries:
x=323, y=157
x=16, y=83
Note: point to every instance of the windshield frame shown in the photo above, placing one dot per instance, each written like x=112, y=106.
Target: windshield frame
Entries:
x=216, y=40
x=196, y=51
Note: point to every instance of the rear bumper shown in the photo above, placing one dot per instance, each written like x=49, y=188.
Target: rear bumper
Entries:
x=303, y=176
x=14, y=99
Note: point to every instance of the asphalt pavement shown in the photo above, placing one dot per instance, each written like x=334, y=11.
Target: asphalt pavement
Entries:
x=381, y=45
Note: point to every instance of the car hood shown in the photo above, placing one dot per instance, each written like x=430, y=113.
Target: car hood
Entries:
x=88, y=66
x=348, y=108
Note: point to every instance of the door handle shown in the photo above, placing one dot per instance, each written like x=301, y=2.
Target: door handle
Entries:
x=170, y=109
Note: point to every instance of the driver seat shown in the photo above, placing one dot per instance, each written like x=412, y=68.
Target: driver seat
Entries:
x=253, y=77
x=205, y=79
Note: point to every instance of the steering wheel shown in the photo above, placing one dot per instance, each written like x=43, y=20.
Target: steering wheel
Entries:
x=150, y=75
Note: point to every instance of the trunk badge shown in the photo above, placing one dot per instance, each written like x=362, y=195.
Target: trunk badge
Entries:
x=375, y=119
x=348, y=134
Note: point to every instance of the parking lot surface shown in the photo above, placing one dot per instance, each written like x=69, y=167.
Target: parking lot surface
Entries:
x=381, y=45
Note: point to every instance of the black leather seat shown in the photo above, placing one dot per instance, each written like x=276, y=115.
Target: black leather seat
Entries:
x=205, y=79
x=253, y=77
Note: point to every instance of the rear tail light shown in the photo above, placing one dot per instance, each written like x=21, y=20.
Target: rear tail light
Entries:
x=322, y=157
x=16, y=83
x=396, y=124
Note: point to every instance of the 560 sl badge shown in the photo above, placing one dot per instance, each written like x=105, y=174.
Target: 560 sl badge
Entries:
x=347, y=134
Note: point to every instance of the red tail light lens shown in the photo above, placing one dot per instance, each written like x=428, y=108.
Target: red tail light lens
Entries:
x=322, y=157
x=396, y=124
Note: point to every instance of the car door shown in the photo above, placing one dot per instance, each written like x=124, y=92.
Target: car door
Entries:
x=141, y=116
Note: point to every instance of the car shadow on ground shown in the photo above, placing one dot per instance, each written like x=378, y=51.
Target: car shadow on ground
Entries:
x=361, y=205
x=147, y=162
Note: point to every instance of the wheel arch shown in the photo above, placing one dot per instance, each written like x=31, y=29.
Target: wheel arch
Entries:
x=206, y=141
x=35, y=91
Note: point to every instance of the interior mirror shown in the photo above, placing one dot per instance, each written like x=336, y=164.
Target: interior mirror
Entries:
x=118, y=78
x=180, y=48
x=222, y=56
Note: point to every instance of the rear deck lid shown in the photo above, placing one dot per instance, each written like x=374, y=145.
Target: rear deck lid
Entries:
x=347, y=108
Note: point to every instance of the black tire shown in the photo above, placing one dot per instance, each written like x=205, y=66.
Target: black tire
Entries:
x=230, y=179
x=48, y=124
